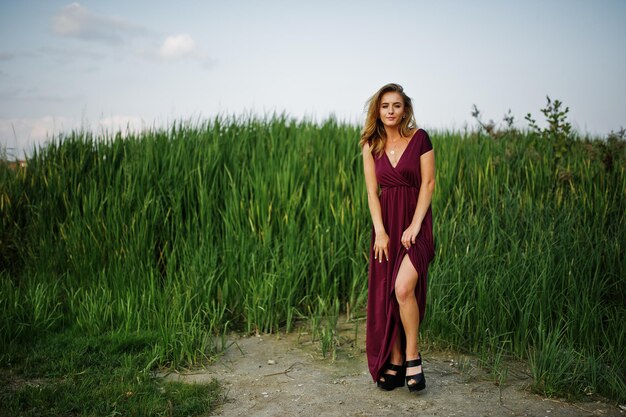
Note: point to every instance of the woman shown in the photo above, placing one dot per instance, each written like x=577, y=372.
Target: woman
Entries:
x=400, y=159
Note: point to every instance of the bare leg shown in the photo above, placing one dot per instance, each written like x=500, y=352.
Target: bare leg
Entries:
x=396, y=357
x=409, y=311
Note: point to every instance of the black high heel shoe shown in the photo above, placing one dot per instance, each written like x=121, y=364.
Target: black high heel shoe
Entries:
x=392, y=381
x=415, y=382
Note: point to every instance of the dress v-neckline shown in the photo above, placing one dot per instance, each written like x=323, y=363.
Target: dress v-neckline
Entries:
x=403, y=152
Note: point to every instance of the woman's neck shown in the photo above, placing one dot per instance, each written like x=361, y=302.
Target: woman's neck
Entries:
x=393, y=135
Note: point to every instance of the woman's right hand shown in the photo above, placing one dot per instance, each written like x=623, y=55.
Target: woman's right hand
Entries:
x=381, y=246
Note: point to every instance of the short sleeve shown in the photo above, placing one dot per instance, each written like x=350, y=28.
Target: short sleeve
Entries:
x=426, y=144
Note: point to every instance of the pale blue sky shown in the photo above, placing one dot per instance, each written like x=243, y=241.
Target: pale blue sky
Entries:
x=106, y=64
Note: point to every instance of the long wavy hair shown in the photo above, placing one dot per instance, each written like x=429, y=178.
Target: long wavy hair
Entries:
x=374, y=130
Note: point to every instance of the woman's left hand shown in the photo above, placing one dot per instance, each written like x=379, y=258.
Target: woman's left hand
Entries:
x=409, y=235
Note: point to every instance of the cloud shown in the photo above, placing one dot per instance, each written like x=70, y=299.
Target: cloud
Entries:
x=49, y=126
x=5, y=56
x=121, y=123
x=20, y=136
x=76, y=21
x=178, y=47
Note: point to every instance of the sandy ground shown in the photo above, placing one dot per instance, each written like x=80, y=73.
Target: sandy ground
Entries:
x=285, y=375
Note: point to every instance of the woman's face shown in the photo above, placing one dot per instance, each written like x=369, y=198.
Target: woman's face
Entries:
x=391, y=109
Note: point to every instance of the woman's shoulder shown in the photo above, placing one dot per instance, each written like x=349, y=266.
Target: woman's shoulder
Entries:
x=423, y=139
x=366, y=148
x=418, y=133
x=423, y=144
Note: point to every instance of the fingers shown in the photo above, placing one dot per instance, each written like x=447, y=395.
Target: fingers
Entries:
x=381, y=252
x=408, y=239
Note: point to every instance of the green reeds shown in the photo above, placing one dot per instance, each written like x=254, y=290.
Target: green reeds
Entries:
x=251, y=224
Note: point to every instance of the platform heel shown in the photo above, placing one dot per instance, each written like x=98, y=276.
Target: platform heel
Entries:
x=392, y=381
x=415, y=382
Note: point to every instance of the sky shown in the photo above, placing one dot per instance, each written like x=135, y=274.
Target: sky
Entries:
x=115, y=65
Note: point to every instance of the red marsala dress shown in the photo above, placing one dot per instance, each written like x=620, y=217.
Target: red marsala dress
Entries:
x=399, y=189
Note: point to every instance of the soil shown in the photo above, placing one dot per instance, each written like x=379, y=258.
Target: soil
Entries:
x=286, y=375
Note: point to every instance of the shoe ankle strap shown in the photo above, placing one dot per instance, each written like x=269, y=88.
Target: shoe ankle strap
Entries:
x=414, y=362
x=393, y=367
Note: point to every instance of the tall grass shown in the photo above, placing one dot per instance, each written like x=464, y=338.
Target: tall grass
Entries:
x=251, y=224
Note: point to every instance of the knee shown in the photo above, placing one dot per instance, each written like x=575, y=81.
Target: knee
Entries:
x=404, y=293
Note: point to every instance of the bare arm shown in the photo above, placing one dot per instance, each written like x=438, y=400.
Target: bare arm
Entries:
x=381, y=241
x=427, y=170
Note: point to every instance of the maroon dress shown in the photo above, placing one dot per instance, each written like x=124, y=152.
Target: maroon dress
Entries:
x=399, y=189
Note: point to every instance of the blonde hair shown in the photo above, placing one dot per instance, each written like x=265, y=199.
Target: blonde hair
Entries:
x=374, y=131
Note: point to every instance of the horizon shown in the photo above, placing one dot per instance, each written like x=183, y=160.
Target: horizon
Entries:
x=7, y=154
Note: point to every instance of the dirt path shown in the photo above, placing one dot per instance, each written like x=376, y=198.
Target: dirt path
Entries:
x=285, y=376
